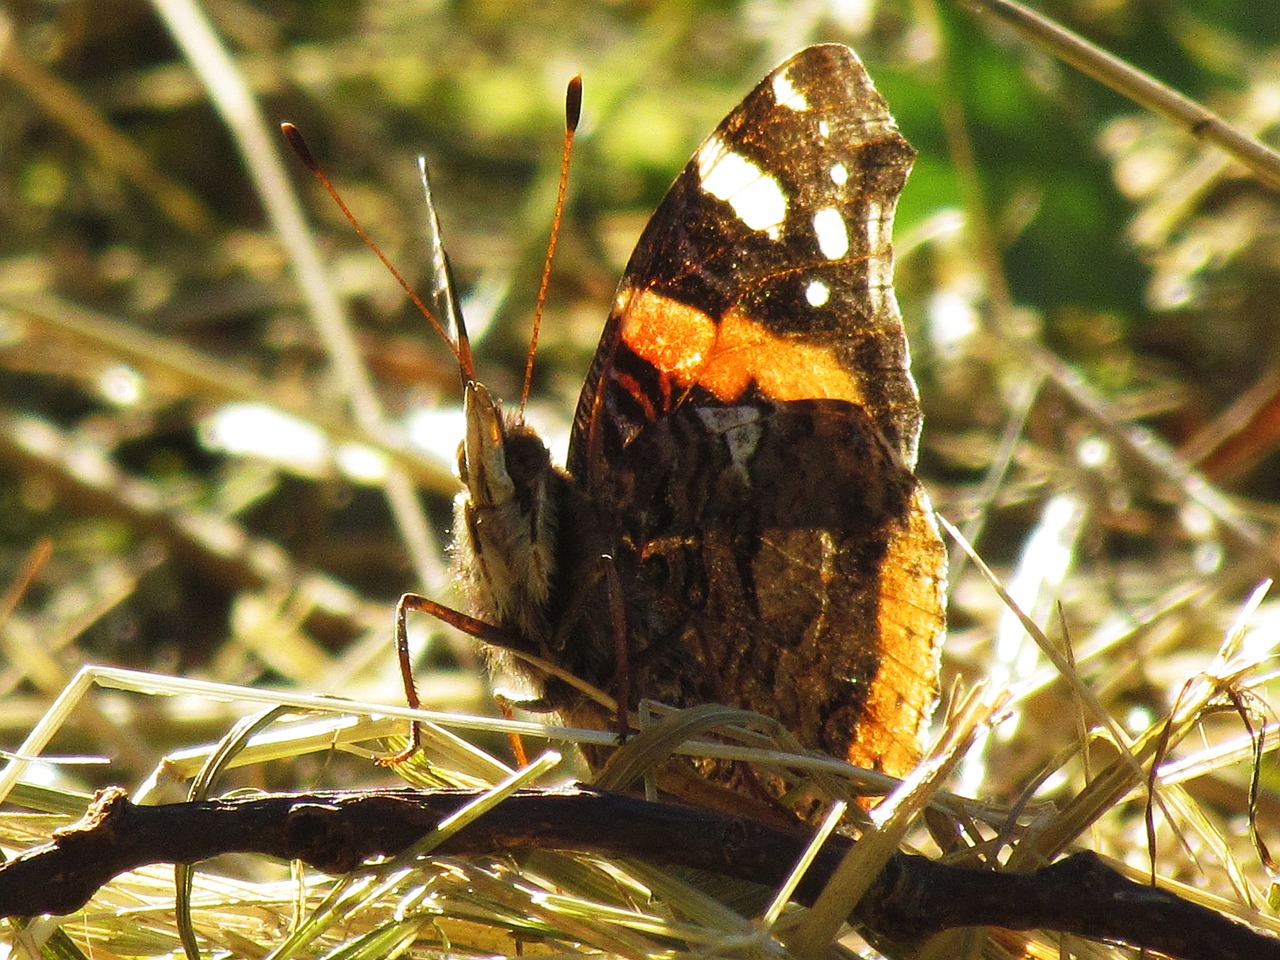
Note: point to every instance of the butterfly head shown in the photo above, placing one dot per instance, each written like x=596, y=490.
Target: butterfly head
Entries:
x=506, y=516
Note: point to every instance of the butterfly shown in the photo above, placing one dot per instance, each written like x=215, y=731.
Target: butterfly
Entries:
x=738, y=521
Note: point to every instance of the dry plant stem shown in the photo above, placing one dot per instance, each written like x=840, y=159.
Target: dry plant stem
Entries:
x=913, y=897
x=223, y=549
x=1082, y=693
x=32, y=660
x=86, y=124
x=1105, y=788
x=213, y=380
x=1239, y=437
x=36, y=559
x=1138, y=87
x=891, y=820
x=1146, y=448
x=952, y=112
x=452, y=750
x=1149, y=451
x=232, y=98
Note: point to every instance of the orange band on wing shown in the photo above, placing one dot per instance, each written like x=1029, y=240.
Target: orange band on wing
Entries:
x=725, y=358
x=675, y=337
x=910, y=627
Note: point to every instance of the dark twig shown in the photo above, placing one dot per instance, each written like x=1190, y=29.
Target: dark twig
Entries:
x=913, y=898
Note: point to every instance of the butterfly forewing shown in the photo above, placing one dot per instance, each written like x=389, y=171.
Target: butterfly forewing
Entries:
x=781, y=223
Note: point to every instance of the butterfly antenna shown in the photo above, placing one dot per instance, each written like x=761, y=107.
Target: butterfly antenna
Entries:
x=292, y=134
x=443, y=290
x=572, y=114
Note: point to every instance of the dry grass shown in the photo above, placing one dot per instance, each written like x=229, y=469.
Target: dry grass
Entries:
x=1095, y=349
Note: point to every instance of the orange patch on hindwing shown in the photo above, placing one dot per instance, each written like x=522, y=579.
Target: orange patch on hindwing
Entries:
x=910, y=626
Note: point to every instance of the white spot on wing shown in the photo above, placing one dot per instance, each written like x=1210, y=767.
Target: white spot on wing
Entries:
x=817, y=293
x=824, y=129
x=786, y=95
x=879, y=260
x=755, y=196
x=875, y=225
x=833, y=238
x=839, y=174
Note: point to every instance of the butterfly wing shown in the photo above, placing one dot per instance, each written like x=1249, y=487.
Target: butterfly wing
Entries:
x=768, y=265
x=749, y=426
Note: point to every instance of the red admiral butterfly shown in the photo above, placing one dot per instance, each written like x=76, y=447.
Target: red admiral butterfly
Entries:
x=738, y=521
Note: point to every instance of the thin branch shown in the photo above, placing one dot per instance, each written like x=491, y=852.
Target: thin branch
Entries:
x=913, y=898
x=214, y=380
x=1139, y=87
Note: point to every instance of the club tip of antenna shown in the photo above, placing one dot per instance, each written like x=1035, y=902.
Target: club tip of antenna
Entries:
x=573, y=103
x=294, y=136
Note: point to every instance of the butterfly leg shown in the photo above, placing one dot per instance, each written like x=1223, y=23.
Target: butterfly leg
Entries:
x=469, y=625
x=605, y=569
x=621, y=654
x=507, y=707
x=410, y=601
